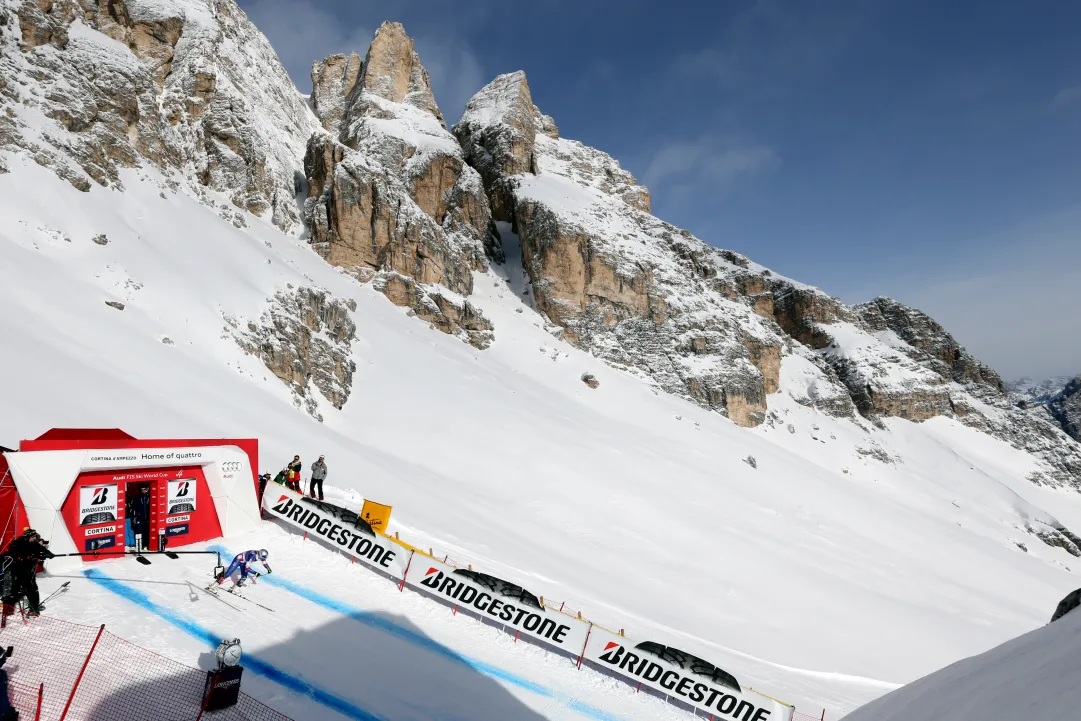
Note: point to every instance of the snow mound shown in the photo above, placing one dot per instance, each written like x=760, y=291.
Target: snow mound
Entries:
x=1032, y=677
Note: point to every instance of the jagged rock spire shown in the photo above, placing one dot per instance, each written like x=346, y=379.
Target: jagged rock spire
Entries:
x=392, y=70
x=333, y=80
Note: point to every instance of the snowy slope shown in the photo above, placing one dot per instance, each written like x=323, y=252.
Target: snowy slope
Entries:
x=1032, y=677
x=850, y=560
x=340, y=642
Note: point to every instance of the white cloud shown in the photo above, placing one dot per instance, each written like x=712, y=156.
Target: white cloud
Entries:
x=709, y=164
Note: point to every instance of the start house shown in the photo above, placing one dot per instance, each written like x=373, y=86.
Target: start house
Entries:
x=73, y=485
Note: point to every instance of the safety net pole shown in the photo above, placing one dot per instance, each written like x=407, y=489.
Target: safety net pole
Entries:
x=82, y=670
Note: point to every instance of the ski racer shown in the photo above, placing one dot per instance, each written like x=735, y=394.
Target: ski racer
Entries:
x=242, y=563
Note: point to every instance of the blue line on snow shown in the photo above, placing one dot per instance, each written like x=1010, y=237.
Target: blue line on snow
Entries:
x=252, y=663
x=417, y=639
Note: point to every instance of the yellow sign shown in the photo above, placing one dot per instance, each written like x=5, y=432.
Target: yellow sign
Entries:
x=377, y=515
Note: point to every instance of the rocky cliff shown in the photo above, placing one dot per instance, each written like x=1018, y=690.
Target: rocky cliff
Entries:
x=1065, y=408
x=188, y=86
x=304, y=338
x=710, y=324
x=635, y=290
x=390, y=196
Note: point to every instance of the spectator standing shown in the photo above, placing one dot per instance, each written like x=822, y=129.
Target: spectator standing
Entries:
x=319, y=474
x=294, y=473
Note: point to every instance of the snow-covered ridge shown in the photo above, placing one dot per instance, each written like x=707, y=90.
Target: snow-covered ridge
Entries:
x=709, y=324
x=391, y=198
x=189, y=86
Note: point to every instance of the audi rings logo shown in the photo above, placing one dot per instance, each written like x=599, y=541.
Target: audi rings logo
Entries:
x=231, y=466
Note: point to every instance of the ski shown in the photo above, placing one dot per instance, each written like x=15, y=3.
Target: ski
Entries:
x=238, y=595
x=214, y=592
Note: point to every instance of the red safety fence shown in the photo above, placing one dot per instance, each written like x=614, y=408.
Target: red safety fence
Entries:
x=84, y=673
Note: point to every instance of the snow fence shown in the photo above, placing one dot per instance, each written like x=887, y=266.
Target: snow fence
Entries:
x=680, y=678
x=61, y=670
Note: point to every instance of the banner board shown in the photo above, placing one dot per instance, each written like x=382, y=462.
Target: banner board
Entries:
x=339, y=527
x=97, y=504
x=520, y=612
x=376, y=515
x=181, y=497
x=683, y=677
x=670, y=671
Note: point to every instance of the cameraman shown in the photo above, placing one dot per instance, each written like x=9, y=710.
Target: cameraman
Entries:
x=21, y=567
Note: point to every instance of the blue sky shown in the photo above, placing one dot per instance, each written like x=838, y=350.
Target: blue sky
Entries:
x=925, y=150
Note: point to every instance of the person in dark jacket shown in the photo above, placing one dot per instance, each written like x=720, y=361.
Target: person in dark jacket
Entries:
x=319, y=474
x=21, y=568
x=138, y=510
x=295, y=467
x=282, y=479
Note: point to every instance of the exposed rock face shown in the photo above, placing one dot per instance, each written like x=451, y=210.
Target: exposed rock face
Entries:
x=333, y=80
x=1065, y=408
x=706, y=323
x=389, y=194
x=945, y=355
x=634, y=290
x=499, y=131
x=190, y=86
x=305, y=339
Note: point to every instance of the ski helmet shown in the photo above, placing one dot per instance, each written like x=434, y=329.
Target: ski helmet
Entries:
x=263, y=554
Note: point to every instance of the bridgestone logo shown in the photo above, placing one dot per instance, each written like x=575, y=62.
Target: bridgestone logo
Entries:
x=352, y=538
x=702, y=694
x=466, y=594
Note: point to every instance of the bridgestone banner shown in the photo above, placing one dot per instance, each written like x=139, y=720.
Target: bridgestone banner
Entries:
x=674, y=673
x=683, y=681
x=181, y=497
x=520, y=612
x=337, y=526
x=97, y=504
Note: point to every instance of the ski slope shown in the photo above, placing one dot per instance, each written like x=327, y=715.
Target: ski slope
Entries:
x=341, y=642
x=824, y=576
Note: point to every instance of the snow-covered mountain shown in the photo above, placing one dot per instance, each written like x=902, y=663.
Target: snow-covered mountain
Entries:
x=764, y=476
x=1058, y=397
x=1037, y=391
